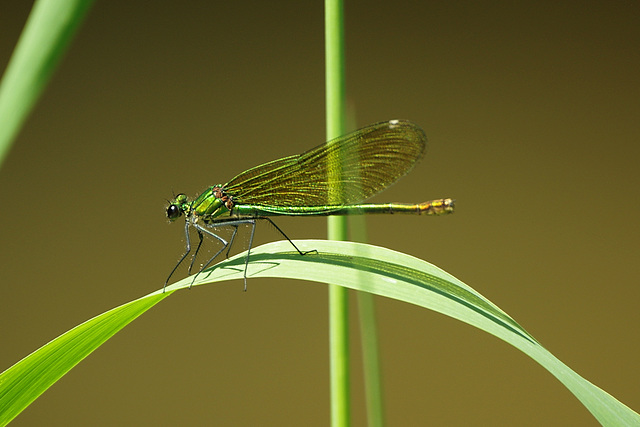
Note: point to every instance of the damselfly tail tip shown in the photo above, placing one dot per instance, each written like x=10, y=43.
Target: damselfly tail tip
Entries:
x=437, y=207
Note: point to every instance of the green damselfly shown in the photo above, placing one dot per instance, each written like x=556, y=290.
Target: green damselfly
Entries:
x=331, y=179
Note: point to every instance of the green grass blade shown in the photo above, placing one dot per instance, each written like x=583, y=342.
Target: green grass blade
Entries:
x=337, y=225
x=45, y=37
x=22, y=383
x=353, y=265
x=369, y=338
x=370, y=359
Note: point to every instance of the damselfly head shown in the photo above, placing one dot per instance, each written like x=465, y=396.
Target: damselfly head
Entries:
x=175, y=208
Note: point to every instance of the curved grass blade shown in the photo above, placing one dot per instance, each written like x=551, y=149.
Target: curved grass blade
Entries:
x=353, y=265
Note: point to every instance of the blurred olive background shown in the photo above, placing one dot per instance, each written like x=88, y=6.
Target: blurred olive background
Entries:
x=533, y=118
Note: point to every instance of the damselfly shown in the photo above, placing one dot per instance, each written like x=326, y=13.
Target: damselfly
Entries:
x=331, y=179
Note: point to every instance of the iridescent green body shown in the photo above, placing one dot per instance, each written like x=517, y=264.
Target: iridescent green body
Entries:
x=211, y=208
x=331, y=179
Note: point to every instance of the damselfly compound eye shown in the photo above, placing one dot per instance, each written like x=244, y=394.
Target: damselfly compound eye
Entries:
x=173, y=212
